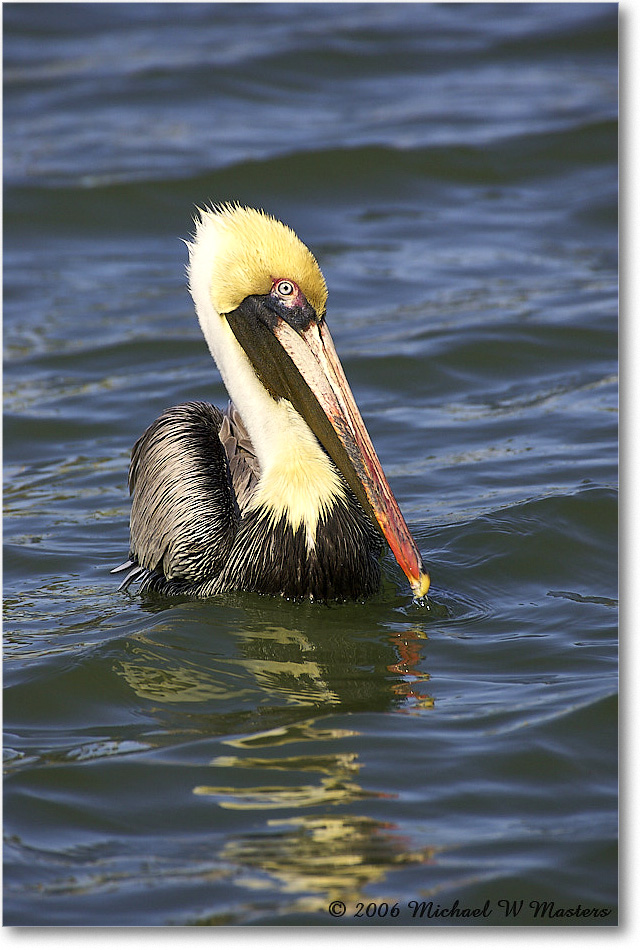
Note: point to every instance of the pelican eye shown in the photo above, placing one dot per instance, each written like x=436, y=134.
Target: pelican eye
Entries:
x=285, y=288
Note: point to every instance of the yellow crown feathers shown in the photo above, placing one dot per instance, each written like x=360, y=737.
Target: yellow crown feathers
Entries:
x=249, y=250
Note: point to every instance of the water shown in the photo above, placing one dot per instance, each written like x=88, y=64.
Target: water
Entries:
x=246, y=760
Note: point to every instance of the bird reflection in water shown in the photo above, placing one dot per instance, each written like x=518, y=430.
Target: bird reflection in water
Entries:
x=323, y=669
x=307, y=766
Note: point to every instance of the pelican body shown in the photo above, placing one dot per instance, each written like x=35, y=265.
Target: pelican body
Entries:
x=281, y=493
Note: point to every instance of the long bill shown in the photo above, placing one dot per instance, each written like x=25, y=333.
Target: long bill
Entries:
x=346, y=438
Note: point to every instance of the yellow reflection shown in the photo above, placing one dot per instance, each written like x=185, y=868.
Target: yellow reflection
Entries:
x=328, y=764
x=322, y=857
x=285, y=664
x=303, y=796
x=305, y=730
x=152, y=676
x=288, y=671
x=337, y=785
x=301, y=682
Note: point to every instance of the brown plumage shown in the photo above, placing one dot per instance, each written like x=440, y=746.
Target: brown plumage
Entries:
x=193, y=475
x=283, y=492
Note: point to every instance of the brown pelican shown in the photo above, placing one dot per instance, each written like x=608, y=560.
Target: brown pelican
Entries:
x=283, y=492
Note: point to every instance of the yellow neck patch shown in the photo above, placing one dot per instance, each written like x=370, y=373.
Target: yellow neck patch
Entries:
x=250, y=250
x=300, y=482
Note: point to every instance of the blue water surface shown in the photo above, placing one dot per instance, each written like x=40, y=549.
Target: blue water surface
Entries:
x=245, y=760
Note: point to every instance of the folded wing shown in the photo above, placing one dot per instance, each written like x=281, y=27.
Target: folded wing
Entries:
x=191, y=475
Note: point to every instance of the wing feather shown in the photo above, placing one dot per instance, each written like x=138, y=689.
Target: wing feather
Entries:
x=184, y=514
x=244, y=465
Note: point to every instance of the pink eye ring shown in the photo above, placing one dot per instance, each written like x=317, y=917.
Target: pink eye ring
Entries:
x=285, y=288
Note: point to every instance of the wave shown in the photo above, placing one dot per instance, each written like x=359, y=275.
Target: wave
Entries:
x=104, y=201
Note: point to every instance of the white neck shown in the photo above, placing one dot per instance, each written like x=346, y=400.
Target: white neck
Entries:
x=297, y=478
